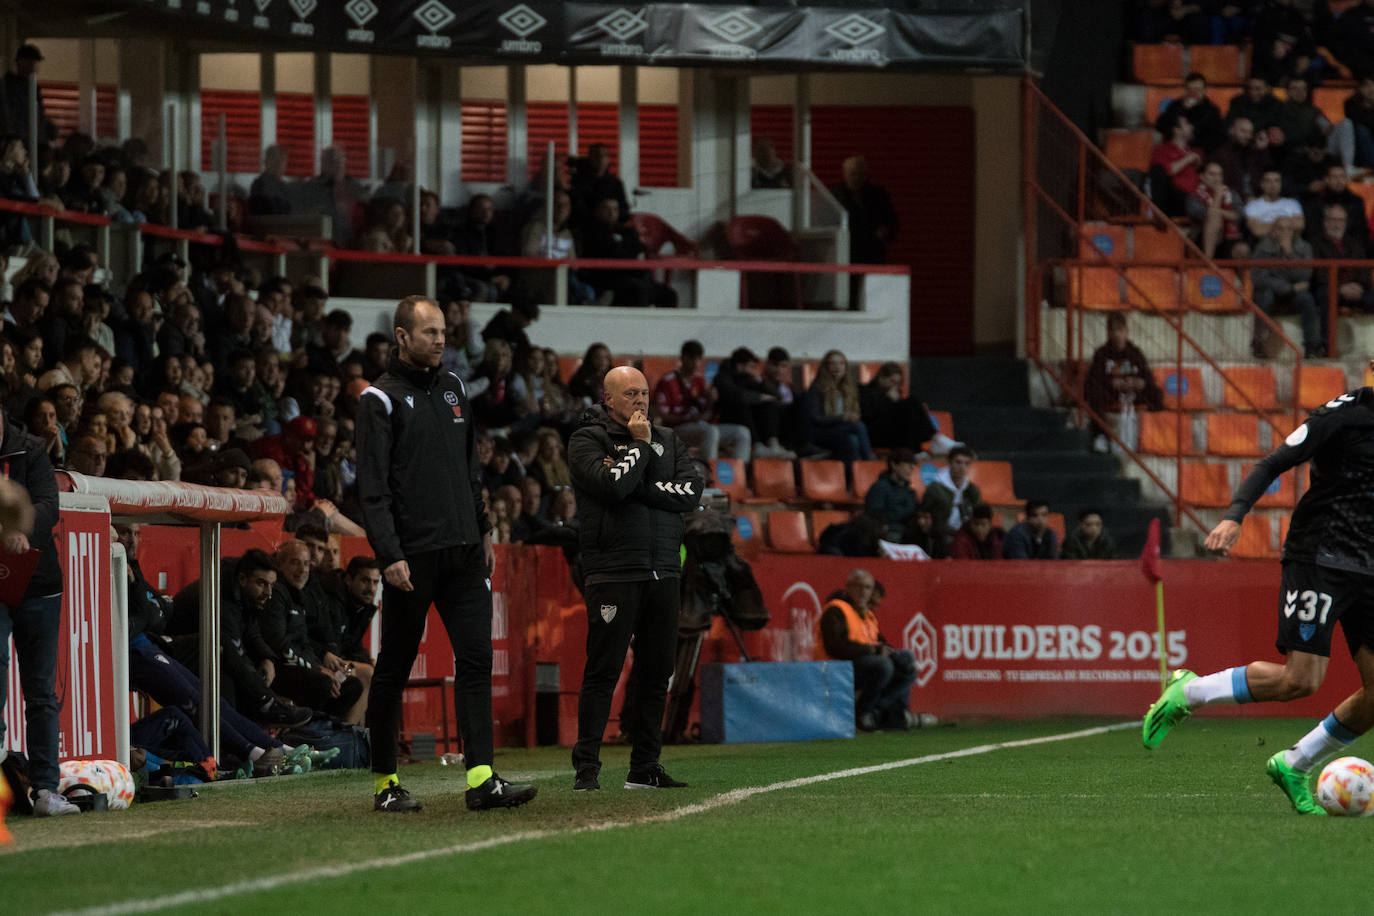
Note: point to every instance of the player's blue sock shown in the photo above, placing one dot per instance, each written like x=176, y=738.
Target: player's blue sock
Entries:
x=1319, y=745
x=1225, y=686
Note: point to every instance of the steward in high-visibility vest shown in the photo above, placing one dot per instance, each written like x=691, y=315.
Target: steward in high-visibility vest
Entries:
x=844, y=633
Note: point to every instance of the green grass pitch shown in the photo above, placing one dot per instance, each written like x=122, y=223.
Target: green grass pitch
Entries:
x=1090, y=824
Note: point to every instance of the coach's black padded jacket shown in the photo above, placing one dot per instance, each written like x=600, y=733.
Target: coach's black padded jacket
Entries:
x=418, y=478
x=630, y=512
x=1333, y=524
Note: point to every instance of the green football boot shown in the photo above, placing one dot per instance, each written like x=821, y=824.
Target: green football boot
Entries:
x=1170, y=709
x=1296, y=785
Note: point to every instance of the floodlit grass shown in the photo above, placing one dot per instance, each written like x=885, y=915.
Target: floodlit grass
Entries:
x=1091, y=824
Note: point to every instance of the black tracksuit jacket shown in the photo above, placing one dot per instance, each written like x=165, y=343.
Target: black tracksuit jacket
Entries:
x=24, y=460
x=418, y=479
x=630, y=512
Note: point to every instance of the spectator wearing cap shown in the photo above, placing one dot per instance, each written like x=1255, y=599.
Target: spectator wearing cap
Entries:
x=16, y=96
x=294, y=451
x=891, y=499
x=231, y=468
x=743, y=399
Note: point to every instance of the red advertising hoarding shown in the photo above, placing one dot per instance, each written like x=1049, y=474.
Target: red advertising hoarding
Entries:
x=86, y=648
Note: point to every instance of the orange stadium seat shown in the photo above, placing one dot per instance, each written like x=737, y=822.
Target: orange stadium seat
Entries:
x=655, y=367
x=822, y=519
x=1233, y=435
x=1256, y=540
x=1365, y=191
x=748, y=533
x=1182, y=387
x=865, y=472
x=823, y=482
x=1211, y=290
x=1159, y=246
x=1095, y=287
x=1282, y=493
x=1249, y=388
x=994, y=480
x=944, y=422
x=1283, y=529
x=1129, y=149
x=1319, y=384
x=1157, y=64
x=775, y=479
x=1331, y=102
x=1102, y=241
x=1205, y=483
x=787, y=531
x=730, y=477
x=1157, y=98
x=1166, y=432
x=1221, y=64
x=1152, y=289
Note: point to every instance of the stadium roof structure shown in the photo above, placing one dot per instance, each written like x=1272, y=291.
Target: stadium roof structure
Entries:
x=849, y=34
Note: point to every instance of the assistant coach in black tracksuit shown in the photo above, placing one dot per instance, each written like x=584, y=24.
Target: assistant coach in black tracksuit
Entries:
x=633, y=481
x=421, y=493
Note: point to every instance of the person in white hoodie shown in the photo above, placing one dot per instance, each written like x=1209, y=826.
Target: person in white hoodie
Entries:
x=951, y=496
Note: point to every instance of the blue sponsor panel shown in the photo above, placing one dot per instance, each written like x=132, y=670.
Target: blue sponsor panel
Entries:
x=776, y=701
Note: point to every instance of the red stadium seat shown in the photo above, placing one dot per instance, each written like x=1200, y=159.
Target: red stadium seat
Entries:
x=824, y=482
x=1095, y=287
x=1212, y=290
x=865, y=472
x=1152, y=289
x=994, y=482
x=775, y=480
x=1129, y=149
x=1101, y=241
x=1282, y=493
x=1156, y=246
x=730, y=477
x=748, y=533
x=822, y=519
x=1256, y=540
x=787, y=531
x=1221, y=64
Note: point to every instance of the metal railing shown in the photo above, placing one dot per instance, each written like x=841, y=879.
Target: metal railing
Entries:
x=1070, y=189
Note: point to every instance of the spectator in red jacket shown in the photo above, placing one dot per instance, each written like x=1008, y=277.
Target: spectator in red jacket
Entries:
x=293, y=449
x=1174, y=168
x=979, y=538
x=685, y=402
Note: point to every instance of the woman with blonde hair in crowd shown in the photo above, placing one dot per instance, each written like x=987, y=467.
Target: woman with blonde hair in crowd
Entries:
x=40, y=264
x=550, y=466
x=833, y=405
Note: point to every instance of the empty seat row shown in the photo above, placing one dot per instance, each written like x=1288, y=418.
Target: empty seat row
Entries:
x=1168, y=63
x=1250, y=388
x=1209, y=485
x=1157, y=288
x=797, y=531
x=1228, y=435
x=777, y=480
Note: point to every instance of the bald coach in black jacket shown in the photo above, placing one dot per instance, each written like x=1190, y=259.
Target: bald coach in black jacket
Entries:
x=633, y=482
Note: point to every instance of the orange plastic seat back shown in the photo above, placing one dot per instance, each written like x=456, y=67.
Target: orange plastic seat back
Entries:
x=774, y=478
x=822, y=519
x=1157, y=64
x=1166, y=432
x=1319, y=384
x=730, y=477
x=1152, y=288
x=1249, y=388
x=1182, y=387
x=994, y=481
x=1234, y=435
x=823, y=481
x=1221, y=64
x=1205, y=483
x=787, y=531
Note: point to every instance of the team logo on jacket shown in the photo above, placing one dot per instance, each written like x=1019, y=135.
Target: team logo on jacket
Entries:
x=450, y=398
x=658, y=448
x=608, y=612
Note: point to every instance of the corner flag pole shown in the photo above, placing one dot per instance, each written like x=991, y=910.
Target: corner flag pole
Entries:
x=1163, y=645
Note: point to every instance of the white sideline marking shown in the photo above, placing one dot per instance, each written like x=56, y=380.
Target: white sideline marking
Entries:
x=733, y=797
x=141, y=833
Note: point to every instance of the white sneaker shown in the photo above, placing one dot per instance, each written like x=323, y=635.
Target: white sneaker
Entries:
x=1101, y=445
x=47, y=803
x=940, y=444
x=921, y=719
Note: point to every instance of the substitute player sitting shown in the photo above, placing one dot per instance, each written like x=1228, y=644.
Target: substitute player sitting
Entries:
x=1328, y=576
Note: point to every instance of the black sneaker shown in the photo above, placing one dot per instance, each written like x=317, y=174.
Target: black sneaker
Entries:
x=394, y=799
x=653, y=778
x=497, y=793
x=586, y=780
x=285, y=715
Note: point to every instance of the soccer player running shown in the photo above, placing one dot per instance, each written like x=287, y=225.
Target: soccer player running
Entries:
x=421, y=493
x=1328, y=576
x=633, y=481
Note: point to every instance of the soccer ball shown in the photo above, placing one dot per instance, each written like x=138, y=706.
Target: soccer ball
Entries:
x=1346, y=787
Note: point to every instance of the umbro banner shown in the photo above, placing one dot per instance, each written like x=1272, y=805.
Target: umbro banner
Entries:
x=964, y=33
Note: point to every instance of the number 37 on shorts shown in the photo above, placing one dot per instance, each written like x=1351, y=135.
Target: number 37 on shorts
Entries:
x=1311, y=600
